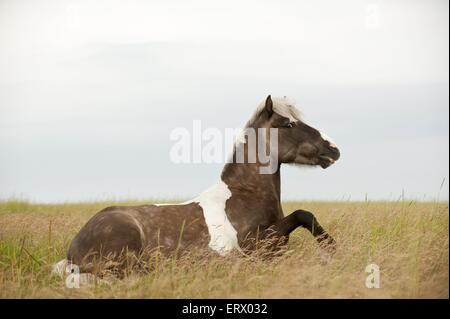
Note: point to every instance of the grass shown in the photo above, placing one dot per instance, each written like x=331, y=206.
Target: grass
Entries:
x=409, y=241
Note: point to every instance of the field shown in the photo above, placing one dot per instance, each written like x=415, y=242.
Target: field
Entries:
x=409, y=241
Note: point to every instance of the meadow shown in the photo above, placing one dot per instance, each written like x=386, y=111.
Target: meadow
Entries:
x=408, y=240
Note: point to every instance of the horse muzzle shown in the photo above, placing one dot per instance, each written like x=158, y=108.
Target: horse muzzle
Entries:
x=329, y=157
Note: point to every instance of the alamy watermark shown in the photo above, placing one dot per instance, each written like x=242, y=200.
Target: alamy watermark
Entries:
x=212, y=145
x=372, y=16
x=373, y=280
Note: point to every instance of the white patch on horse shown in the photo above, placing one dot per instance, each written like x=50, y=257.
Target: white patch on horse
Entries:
x=327, y=138
x=223, y=235
x=212, y=201
x=173, y=204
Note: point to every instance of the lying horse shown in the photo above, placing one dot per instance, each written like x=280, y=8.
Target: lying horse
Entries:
x=242, y=207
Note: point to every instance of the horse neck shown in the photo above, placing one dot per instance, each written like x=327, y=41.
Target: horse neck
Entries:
x=247, y=178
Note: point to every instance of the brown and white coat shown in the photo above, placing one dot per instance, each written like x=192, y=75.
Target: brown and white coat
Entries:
x=242, y=205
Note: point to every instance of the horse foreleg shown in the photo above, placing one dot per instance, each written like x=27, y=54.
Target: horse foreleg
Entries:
x=303, y=218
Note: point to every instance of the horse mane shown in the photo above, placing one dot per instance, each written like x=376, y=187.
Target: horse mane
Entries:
x=282, y=106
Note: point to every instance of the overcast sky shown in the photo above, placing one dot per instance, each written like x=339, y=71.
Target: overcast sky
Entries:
x=90, y=91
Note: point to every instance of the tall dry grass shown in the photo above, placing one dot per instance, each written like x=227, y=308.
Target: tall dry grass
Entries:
x=408, y=240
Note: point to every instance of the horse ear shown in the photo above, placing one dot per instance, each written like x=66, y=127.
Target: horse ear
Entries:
x=269, y=106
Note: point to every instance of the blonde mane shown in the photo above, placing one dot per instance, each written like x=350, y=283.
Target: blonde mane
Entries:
x=282, y=106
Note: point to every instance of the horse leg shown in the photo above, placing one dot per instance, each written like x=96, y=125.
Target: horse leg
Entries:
x=303, y=218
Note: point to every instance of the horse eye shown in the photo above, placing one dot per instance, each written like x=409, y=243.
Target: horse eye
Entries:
x=289, y=125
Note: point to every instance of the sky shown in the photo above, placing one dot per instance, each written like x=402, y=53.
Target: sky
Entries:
x=91, y=90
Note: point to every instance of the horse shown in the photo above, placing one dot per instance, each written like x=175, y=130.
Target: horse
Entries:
x=244, y=206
